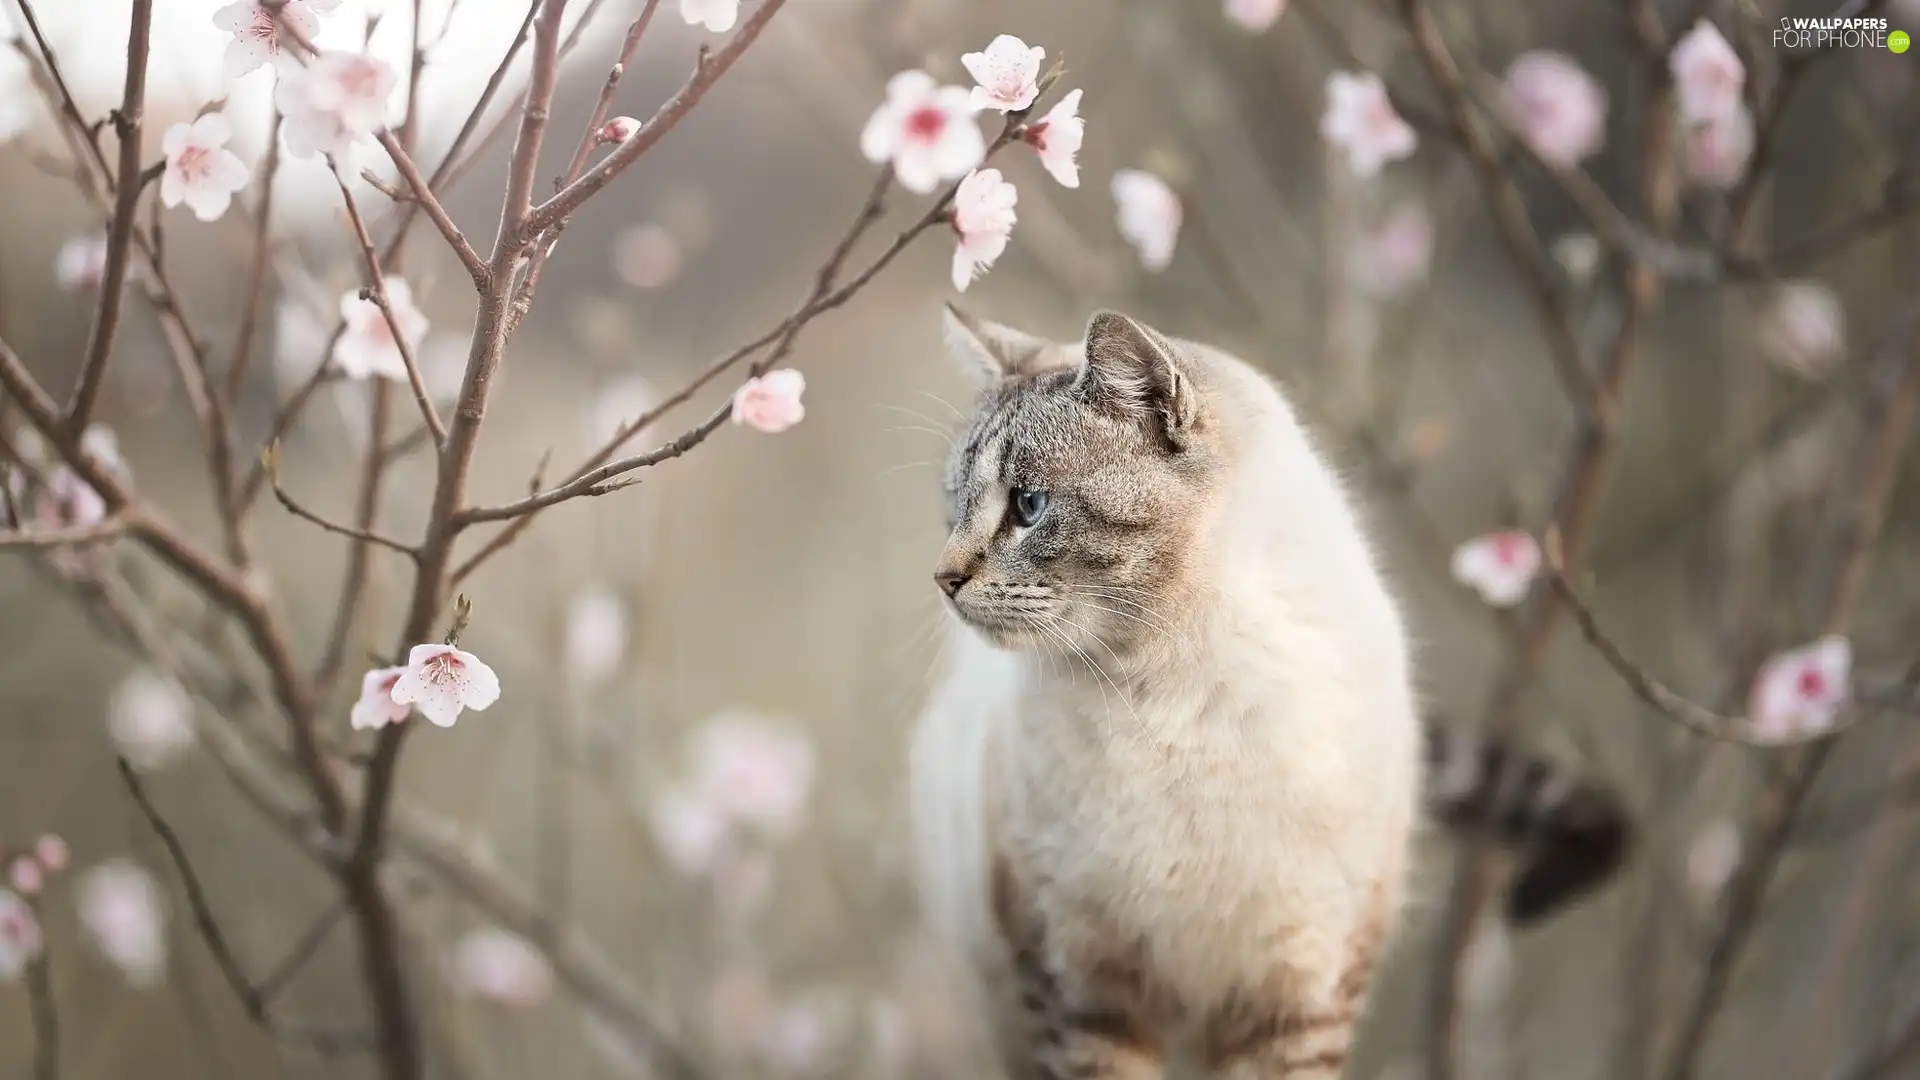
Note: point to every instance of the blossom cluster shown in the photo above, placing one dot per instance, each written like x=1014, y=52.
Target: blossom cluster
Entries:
x=119, y=906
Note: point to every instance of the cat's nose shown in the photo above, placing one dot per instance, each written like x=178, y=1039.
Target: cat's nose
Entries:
x=951, y=580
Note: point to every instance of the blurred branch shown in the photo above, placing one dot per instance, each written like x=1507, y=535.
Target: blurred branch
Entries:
x=105, y=529
x=127, y=124
x=43, y=1007
x=1781, y=803
x=424, y=197
x=1510, y=215
x=246, y=337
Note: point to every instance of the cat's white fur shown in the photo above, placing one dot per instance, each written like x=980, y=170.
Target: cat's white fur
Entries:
x=1239, y=800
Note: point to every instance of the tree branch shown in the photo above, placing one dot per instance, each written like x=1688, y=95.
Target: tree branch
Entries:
x=127, y=123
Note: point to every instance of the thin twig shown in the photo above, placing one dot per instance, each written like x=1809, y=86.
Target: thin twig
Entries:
x=44, y=1006
x=377, y=286
x=424, y=197
x=244, y=339
x=127, y=124
x=296, y=509
x=106, y=528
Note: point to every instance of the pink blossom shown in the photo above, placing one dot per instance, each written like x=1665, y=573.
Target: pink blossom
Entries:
x=619, y=129
x=122, y=911
x=501, y=967
x=367, y=346
x=150, y=720
x=770, y=402
x=1559, y=109
x=1149, y=216
x=1395, y=254
x=926, y=130
x=81, y=265
x=794, y=1040
x=257, y=39
x=717, y=15
x=1008, y=73
x=1712, y=858
x=20, y=940
x=1708, y=77
x=691, y=830
x=753, y=772
x=1255, y=15
x=442, y=681
x=1360, y=121
x=26, y=875
x=1057, y=137
x=1798, y=694
x=376, y=708
x=596, y=636
x=52, y=852
x=1715, y=149
x=1804, y=329
x=68, y=502
x=338, y=99
x=983, y=220
x=1499, y=566
x=201, y=171
x=648, y=256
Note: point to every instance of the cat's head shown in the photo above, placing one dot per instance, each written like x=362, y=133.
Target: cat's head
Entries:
x=1078, y=488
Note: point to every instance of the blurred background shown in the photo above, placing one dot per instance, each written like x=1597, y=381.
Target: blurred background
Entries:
x=775, y=589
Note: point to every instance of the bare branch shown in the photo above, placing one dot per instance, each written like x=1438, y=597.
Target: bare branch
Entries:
x=436, y=212
x=107, y=528
x=707, y=70
x=257, y=270
x=377, y=286
x=299, y=511
x=127, y=124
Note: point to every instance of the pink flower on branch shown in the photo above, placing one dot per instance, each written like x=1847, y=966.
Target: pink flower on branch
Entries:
x=1361, y=122
x=1008, y=72
x=367, y=347
x=1057, y=137
x=619, y=129
x=375, y=707
x=442, y=681
x=336, y=101
x=1558, y=109
x=200, y=170
x=983, y=221
x=257, y=39
x=716, y=15
x=1708, y=77
x=1499, y=566
x=1798, y=694
x=122, y=911
x=926, y=130
x=1149, y=215
x=1255, y=15
x=771, y=402
x=20, y=939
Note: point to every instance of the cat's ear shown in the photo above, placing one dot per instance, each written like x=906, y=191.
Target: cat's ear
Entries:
x=1136, y=372
x=989, y=351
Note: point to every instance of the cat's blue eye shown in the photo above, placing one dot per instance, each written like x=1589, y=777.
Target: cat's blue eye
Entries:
x=1028, y=505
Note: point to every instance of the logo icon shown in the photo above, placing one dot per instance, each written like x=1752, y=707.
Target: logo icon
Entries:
x=1898, y=41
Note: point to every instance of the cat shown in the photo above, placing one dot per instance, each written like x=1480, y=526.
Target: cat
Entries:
x=1165, y=794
